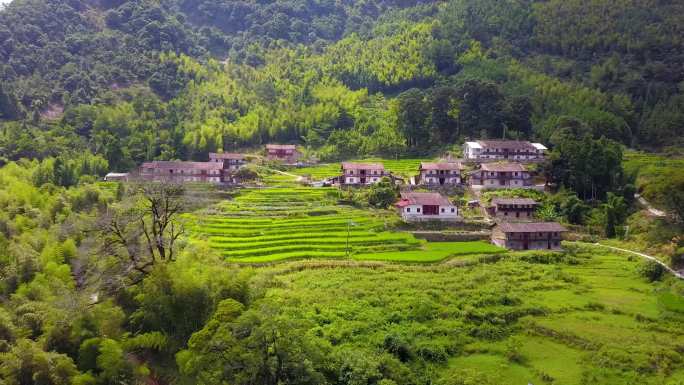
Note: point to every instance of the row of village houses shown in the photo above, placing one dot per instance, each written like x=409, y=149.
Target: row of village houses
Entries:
x=516, y=228
x=501, y=166
x=445, y=173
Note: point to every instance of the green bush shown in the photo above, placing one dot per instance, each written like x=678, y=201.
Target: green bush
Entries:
x=651, y=270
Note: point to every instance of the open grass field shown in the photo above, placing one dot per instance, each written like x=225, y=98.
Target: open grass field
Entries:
x=585, y=319
x=403, y=167
x=649, y=168
x=273, y=224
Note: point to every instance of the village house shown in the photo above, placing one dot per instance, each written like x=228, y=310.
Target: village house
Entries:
x=513, y=208
x=230, y=161
x=177, y=171
x=426, y=206
x=513, y=150
x=362, y=173
x=284, y=153
x=501, y=175
x=528, y=236
x=439, y=174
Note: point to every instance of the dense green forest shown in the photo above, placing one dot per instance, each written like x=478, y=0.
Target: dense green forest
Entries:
x=176, y=79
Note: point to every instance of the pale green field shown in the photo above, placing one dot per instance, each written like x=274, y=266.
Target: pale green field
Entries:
x=403, y=167
x=587, y=320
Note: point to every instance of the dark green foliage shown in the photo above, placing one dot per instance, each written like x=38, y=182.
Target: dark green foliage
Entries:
x=590, y=167
x=383, y=194
x=651, y=270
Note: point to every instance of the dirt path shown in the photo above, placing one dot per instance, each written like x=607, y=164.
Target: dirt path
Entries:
x=652, y=210
x=298, y=178
x=678, y=274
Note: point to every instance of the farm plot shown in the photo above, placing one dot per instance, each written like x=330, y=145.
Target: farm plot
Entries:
x=273, y=224
x=280, y=223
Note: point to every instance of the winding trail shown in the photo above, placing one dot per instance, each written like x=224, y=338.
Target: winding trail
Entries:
x=652, y=210
x=678, y=274
x=298, y=178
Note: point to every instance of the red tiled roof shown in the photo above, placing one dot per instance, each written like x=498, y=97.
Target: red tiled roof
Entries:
x=362, y=166
x=513, y=201
x=226, y=155
x=281, y=147
x=441, y=166
x=502, y=167
x=506, y=144
x=422, y=198
x=166, y=165
x=537, y=227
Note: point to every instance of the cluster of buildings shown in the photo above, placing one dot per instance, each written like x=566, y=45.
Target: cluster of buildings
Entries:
x=221, y=168
x=500, y=164
x=497, y=164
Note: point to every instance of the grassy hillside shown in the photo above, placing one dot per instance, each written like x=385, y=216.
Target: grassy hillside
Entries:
x=585, y=318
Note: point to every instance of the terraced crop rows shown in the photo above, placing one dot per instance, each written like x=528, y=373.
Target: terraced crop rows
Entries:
x=265, y=225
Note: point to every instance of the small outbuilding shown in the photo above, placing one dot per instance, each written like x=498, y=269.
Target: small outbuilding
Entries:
x=528, y=236
x=116, y=177
x=426, y=206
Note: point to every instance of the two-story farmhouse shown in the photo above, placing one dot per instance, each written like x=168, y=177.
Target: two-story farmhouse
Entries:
x=501, y=175
x=513, y=150
x=528, y=236
x=175, y=171
x=422, y=206
x=284, y=153
x=360, y=174
x=513, y=208
x=230, y=161
x=440, y=174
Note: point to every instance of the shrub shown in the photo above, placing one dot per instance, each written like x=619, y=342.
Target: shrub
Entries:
x=651, y=270
x=432, y=351
x=398, y=347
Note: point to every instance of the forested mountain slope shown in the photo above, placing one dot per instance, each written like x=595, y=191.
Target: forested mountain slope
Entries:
x=614, y=67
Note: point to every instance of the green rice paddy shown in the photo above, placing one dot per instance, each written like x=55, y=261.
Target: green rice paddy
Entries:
x=274, y=224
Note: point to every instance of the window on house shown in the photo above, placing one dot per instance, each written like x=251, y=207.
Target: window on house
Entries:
x=418, y=210
x=453, y=210
x=443, y=210
x=408, y=209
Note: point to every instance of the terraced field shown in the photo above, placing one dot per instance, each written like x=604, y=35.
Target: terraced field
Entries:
x=280, y=223
x=273, y=224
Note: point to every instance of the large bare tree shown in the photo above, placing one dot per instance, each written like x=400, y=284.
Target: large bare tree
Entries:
x=143, y=228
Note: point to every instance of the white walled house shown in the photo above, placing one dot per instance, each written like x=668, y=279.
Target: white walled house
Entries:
x=423, y=206
x=362, y=174
x=513, y=150
x=501, y=175
x=440, y=174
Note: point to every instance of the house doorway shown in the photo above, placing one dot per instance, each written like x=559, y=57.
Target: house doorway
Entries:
x=441, y=181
